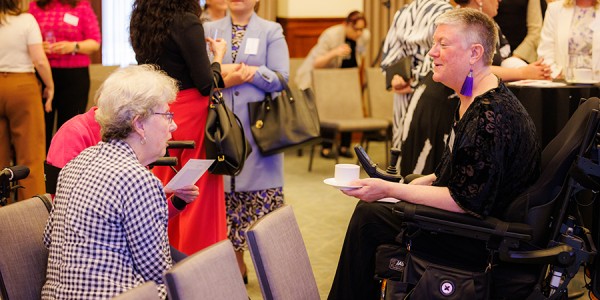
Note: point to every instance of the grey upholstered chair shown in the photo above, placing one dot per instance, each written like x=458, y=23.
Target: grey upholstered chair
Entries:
x=280, y=258
x=146, y=291
x=338, y=96
x=295, y=63
x=23, y=256
x=380, y=107
x=212, y=273
x=98, y=73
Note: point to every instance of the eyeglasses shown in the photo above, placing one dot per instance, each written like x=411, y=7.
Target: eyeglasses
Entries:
x=358, y=29
x=168, y=115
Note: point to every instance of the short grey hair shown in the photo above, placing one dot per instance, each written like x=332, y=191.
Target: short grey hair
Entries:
x=479, y=28
x=130, y=92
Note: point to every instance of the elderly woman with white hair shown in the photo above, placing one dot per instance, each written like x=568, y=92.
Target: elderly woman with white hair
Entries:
x=107, y=232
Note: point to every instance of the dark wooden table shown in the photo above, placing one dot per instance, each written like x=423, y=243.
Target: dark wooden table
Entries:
x=551, y=107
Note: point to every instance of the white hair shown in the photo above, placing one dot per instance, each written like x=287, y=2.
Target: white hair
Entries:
x=130, y=92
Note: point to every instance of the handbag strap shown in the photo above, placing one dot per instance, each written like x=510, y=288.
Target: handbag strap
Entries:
x=216, y=94
x=286, y=88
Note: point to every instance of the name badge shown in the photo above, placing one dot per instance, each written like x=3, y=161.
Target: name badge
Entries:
x=251, y=46
x=71, y=19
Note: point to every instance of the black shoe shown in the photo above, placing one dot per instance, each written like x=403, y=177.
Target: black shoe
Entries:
x=346, y=153
x=327, y=153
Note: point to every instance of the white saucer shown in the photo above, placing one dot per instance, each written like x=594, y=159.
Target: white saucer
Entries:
x=537, y=83
x=333, y=183
x=583, y=81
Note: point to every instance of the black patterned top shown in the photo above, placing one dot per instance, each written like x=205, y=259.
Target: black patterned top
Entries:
x=493, y=154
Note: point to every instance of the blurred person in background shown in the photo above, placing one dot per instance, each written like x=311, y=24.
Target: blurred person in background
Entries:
x=71, y=34
x=21, y=115
x=213, y=10
x=257, y=49
x=410, y=35
x=339, y=46
x=521, y=22
x=169, y=34
x=571, y=28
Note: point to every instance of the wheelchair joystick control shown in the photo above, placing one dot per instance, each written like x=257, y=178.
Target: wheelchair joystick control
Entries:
x=395, y=155
x=391, y=173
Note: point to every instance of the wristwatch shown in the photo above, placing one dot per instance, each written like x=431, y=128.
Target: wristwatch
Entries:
x=76, y=49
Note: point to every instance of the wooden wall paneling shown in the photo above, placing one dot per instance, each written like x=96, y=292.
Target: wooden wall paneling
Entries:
x=97, y=6
x=301, y=34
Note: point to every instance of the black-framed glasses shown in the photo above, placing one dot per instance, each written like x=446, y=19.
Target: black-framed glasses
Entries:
x=168, y=115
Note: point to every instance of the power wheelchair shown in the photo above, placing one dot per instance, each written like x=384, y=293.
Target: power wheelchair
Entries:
x=552, y=225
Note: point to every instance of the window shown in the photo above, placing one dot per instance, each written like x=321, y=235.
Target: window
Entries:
x=116, y=48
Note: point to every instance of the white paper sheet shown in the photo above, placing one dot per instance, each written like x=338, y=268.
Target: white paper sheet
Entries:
x=389, y=200
x=537, y=83
x=190, y=173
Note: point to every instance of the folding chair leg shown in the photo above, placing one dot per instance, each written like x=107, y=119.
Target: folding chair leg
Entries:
x=312, y=155
x=336, y=145
x=387, y=150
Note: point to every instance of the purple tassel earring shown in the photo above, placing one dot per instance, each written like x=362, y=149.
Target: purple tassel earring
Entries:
x=467, y=87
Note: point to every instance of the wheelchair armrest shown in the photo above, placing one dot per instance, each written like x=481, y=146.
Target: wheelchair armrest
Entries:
x=559, y=255
x=51, y=174
x=181, y=145
x=438, y=220
x=164, y=161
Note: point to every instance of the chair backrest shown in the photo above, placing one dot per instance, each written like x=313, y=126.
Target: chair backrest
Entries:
x=98, y=73
x=295, y=63
x=23, y=258
x=380, y=99
x=280, y=258
x=212, y=273
x=540, y=199
x=146, y=291
x=338, y=94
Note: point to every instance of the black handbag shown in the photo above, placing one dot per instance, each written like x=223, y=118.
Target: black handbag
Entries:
x=284, y=122
x=224, y=138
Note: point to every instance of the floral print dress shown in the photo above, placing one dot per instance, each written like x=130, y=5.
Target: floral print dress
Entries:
x=245, y=208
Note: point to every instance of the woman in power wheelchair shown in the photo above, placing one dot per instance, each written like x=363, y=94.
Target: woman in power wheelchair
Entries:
x=492, y=156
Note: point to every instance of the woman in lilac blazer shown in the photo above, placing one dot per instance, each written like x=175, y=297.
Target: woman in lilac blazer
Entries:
x=257, y=49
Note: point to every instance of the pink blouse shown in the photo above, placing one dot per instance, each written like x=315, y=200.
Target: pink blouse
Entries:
x=66, y=23
x=77, y=134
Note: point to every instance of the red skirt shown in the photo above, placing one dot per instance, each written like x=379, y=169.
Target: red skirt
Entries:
x=203, y=222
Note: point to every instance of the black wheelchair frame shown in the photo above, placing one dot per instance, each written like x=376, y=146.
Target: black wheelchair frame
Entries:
x=551, y=217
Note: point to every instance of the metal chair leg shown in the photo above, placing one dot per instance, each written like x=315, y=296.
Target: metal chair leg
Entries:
x=312, y=155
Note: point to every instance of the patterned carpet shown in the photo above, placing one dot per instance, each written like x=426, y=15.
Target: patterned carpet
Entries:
x=322, y=213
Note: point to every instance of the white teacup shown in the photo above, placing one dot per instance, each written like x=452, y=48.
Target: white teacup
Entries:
x=583, y=74
x=346, y=173
x=579, y=69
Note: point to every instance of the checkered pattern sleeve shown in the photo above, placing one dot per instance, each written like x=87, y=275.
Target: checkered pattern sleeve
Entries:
x=145, y=226
x=107, y=232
